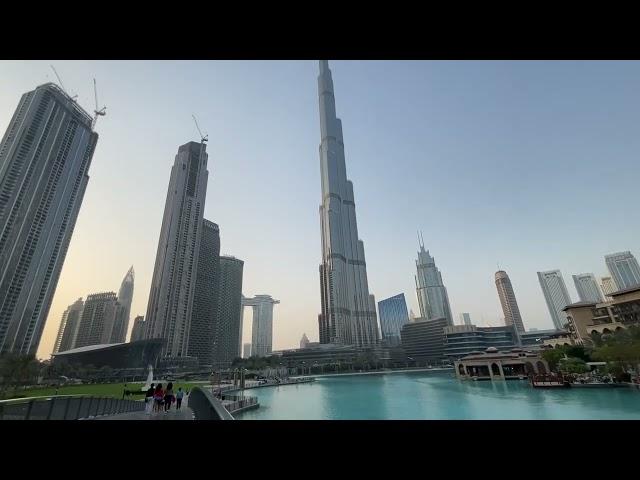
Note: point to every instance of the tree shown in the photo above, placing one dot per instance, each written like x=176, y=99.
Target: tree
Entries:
x=553, y=357
x=573, y=365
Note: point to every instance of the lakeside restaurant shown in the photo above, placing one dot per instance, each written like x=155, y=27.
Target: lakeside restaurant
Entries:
x=496, y=365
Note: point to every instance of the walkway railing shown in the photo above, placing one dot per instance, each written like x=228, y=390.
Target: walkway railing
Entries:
x=238, y=403
x=65, y=407
x=206, y=407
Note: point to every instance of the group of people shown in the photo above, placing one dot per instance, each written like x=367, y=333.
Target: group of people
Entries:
x=158, y=399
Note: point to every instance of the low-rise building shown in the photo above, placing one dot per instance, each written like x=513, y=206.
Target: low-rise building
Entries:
x=423, y=340
x=461, y=340
x=589, y=318
x=493, y=364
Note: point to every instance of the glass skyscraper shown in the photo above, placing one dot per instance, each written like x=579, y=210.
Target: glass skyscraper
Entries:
x=587, y=288
x=432, y=294
x=45, y=157
x=624, y=269
x=556, y=295
x=393, y=315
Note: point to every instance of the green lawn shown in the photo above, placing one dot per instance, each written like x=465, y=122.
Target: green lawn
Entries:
x=105, y=389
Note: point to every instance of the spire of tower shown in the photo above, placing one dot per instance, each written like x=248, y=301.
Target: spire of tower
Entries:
x=324, y=67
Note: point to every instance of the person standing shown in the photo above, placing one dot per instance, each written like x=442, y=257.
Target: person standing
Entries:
x=158, y=395
x=179, y=395
x=168, y=397
x=148, y=398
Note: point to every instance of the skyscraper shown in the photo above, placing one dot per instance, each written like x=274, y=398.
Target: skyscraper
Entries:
x=173, y=283
x=262, y=328
x=556, y=295
x=624, y=269
x=508, y=301
x=125, y=295
x=68, y=330
x=465, y=319
x=137, y=332
x=608, y=286
x=587, y=288
x=97, y=320
x=45, y=156
x=227, y=338
x=432, y=294
x=205, y=302
x=393, y=316
x=246, y=350
x=304, y=341
x=348, y=310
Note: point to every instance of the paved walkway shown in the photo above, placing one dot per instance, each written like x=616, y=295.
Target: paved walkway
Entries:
x=185, y=413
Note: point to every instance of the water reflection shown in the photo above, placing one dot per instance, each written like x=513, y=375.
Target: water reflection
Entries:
x=438, y=395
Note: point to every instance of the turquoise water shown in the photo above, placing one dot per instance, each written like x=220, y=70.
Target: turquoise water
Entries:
x=437, y=396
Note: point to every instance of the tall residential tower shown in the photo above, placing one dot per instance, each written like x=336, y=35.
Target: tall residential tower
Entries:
x=624, y=269
x=556, y=295
x=45, y=156
x=68, y=331
x=125, y=296
x=432, y=294
x=173, y=283
x=348, y=310
x=508, y=301
x=587, y=288
x=262, y=328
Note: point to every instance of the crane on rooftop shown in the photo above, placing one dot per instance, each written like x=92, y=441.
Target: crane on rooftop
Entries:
x=61, y=85
x=97, y=113
x=203, y=138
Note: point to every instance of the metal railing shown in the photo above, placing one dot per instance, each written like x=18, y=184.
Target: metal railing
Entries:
x=239, y=403
x=65, y=407
x=206, y=407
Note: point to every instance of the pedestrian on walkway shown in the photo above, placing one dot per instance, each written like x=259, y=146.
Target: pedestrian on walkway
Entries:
x=168, y=397
x=148, y=398
x=158, y=395
x=179, y=395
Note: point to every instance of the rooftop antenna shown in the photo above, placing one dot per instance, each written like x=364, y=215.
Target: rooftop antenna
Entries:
x=102, y=111
x=61, y=84
x=203, y=138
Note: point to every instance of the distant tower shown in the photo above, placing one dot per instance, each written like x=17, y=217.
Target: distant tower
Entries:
x=304, y=341
x=246, y=350
x=348, y=310
x=587, y=288
x=624, y=269
x=465, y=319
x=173, y=283
x=608, y=286
x=125, y=295
x=556, y=295
x=393, y=316
x=508, y=301
x=98, y=319
x=227, y=339
x=45, y=157
x=137, y=332
x=262, y=329
x=432, y=294
x=68, y=330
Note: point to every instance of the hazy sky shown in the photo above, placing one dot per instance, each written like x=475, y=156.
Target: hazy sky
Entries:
x=530, y=164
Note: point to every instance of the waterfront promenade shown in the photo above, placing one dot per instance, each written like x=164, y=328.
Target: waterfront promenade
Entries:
x=185, y=413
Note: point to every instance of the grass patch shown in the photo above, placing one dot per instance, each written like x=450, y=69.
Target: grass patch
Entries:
x=98, y=389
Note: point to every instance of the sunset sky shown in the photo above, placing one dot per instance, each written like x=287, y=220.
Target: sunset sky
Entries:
x=532, y=165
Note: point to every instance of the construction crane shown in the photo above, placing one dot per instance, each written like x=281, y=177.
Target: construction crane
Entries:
x=97, y=113
x=60, y=82
x=203, y=138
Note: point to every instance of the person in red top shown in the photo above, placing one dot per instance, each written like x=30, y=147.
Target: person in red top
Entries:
x=158, y=396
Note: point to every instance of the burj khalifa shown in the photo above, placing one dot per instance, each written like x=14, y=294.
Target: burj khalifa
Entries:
x=348, y=310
